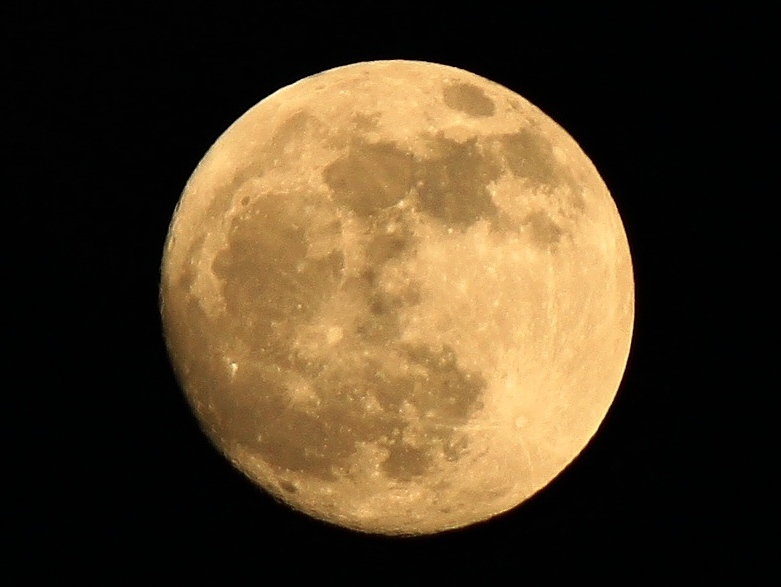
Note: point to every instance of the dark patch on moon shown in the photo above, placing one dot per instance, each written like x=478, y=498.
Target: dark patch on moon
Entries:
x=365, y=122
x=370, y=177
x=319, y=441
x=544, y=232
x=376, y=323
x=406, y=462
x=447, y=390
x=378, y=320
x=528, y=154
x=293, y=137
x=453, y=184
x=392, y=236
x=265, y=275
x=289, y=438
x=270, y=288
x=469, y=99
x=385, y=246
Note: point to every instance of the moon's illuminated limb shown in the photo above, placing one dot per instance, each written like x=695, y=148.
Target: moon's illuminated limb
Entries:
x=398, y=296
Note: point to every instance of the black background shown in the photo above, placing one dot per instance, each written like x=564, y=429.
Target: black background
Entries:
x=111, y=110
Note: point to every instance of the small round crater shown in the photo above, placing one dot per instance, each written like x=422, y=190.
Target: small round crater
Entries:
x=288, y=486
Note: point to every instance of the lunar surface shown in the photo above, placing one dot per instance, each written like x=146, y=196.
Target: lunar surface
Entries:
x=398, y=297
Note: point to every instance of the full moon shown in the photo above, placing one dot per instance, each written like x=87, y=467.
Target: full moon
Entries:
x=398, y=297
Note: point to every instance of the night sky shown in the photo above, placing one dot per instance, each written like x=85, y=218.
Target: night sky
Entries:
x=110, y=111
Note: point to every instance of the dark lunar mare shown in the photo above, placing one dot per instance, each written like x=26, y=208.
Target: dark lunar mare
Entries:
x=271, y=288
x=469, y=99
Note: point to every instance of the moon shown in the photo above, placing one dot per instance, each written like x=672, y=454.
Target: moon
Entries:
x=398, y=297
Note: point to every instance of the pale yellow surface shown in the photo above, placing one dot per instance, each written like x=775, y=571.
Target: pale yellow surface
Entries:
x=398, y=297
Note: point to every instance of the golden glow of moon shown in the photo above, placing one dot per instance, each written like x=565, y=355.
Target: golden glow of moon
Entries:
x=398, y=297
